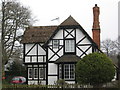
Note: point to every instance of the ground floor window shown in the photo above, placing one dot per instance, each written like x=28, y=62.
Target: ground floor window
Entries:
x=60, y=71
x=42, y=73
x=30, y=73
x=68, y=71
x=36, y=72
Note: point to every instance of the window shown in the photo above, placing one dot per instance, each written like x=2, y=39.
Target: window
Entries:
x=69, y=46
x=60, y=71
x=42, y=73
x=69, y=71
x=35, y=73
x=30, y=73
x=55, y=43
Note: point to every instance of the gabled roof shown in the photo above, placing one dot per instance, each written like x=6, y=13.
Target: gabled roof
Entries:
x=38, y=34
x=69, y=21
x=45, y=33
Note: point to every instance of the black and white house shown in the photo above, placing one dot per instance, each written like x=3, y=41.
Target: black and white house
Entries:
x=51, y=52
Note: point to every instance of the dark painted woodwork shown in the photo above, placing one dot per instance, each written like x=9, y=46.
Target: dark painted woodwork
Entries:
x=55, y=53
x=30, y=49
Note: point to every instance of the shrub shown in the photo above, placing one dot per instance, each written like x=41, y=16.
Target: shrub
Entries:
x=95, y=69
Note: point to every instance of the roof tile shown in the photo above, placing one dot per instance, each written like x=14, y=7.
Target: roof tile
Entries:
x=38, y=34
x=69, y=21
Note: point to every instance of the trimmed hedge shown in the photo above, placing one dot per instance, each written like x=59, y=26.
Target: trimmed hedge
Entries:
x=95, y=69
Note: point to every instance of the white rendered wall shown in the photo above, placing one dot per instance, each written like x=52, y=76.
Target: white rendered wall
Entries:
x=28, y=47
x=33, y=51
x=52, y=80
x=41, y=51
x=36, y=82
x=79, y=36
x=59, y=35
x=70, y=82
x=69, y=36
x=32, y=82
x=52, y=69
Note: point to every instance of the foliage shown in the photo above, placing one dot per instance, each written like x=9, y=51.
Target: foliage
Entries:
x=15, y=70
x=52, y=87
x=14, y=17
x=61, y=82
x=95, y=69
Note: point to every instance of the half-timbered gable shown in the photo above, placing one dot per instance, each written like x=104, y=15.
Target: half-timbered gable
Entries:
x=51, y=52
x=69, y=38
x=35, y=53
x=66, y=46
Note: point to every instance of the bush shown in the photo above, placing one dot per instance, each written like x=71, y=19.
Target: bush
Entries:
x=95, y=69
x=61, y=82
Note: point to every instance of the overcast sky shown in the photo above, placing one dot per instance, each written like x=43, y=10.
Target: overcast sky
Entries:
x=81, y=10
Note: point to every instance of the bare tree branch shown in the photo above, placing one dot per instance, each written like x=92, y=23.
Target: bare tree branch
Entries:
x=108, y=46
x=14, y=17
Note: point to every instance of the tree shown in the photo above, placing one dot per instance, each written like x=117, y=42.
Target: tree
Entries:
x=108, y=46
x=117, y=45
x=16, y=69
x=14, y=17
x=95, y=69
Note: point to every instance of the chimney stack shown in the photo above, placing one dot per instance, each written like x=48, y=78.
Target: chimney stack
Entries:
x=96, y=26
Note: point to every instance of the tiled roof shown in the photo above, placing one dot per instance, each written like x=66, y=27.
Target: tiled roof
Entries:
x=38, y=34
x=43, y=33
x=68, y=58
x=69, y=21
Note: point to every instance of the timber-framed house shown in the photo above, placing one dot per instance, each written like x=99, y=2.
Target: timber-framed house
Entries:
x=51, y=52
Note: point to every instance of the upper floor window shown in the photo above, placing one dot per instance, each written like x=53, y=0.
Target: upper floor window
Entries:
x=55, y=43
x=69, y=46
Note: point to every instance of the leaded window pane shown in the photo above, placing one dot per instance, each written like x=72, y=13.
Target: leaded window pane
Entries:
x=29, y=73
x=69, y=46
x=69, y=71
x=35, y=72
x=42, y=73
x=55, y=43
x=60, y=71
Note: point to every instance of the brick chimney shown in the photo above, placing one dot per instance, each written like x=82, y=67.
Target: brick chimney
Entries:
x=96, y=26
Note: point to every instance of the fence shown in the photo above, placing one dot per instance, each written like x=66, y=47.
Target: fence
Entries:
x=61, y=89
x=53, y=87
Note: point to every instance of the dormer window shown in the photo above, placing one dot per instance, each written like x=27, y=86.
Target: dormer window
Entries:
x=69, y=46
x=55, y=43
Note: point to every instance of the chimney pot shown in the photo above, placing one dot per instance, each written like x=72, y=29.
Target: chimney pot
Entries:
x=95, y=5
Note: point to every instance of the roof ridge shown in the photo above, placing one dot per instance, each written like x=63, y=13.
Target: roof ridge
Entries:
x=69, y=21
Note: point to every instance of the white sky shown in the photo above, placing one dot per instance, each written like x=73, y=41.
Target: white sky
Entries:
x=81, y=10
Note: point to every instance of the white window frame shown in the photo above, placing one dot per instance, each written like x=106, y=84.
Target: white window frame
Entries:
x=68, y=73
x=29, y=73
x=69, y=46
x=55, y=43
